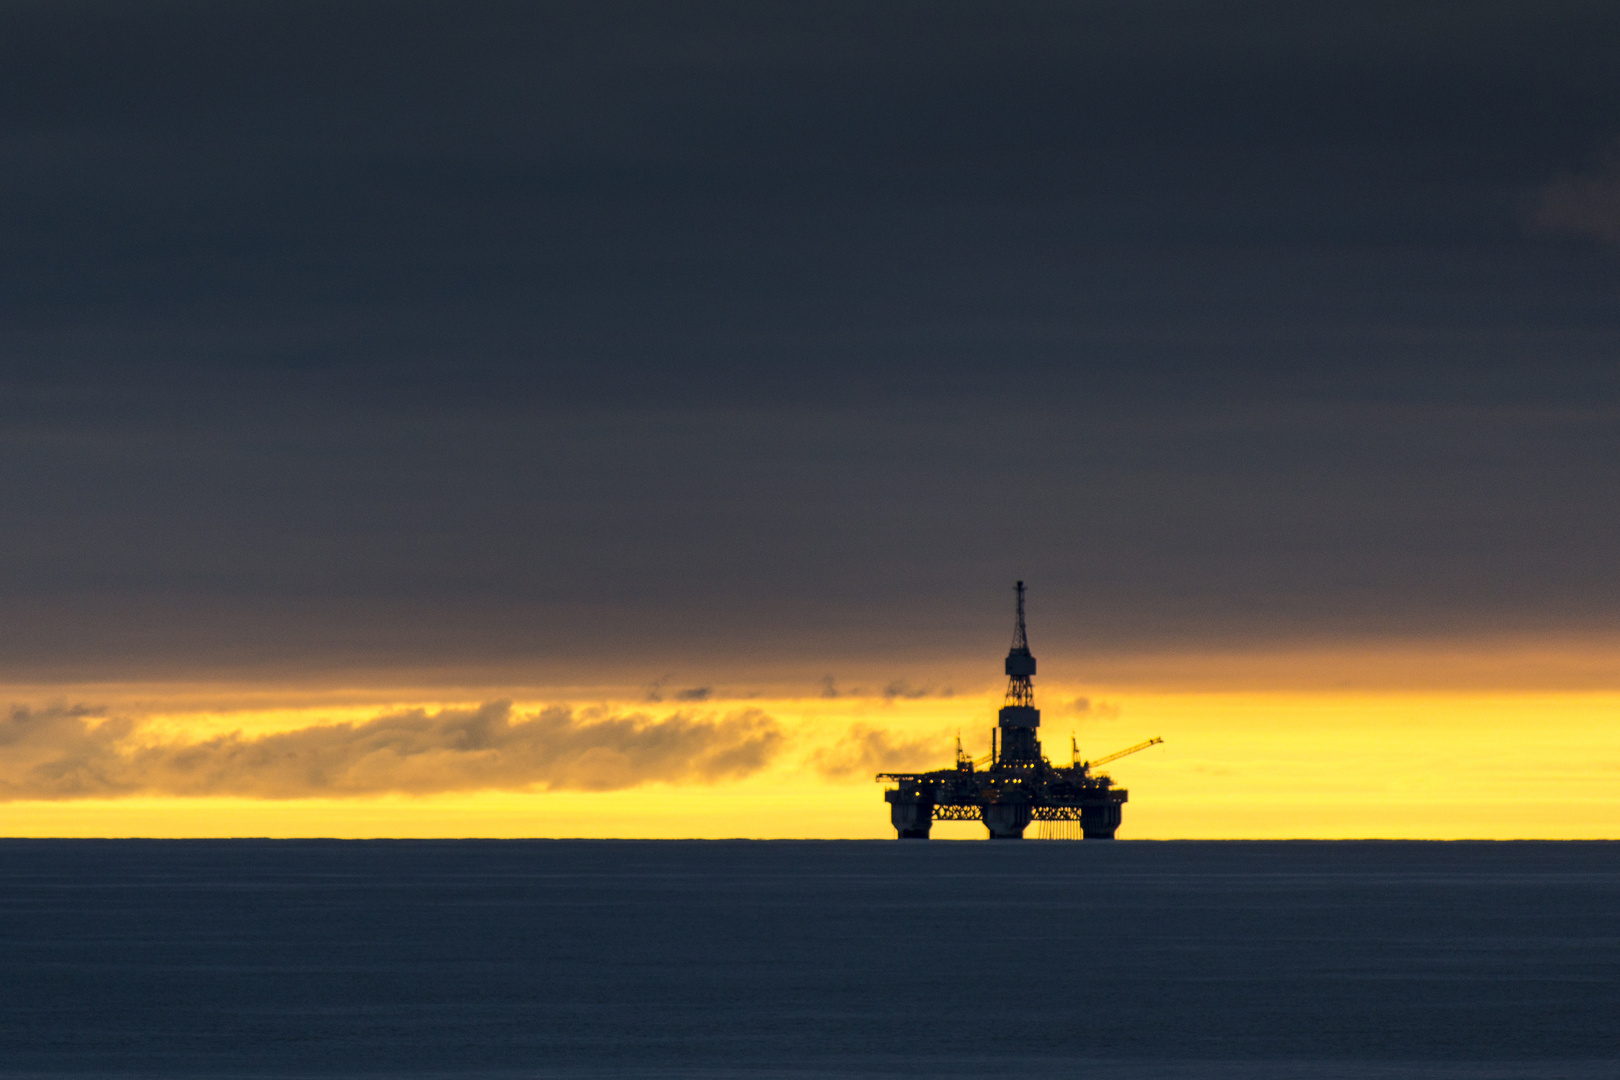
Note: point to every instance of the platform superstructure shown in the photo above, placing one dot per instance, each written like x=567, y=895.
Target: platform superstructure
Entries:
x=1016, y=784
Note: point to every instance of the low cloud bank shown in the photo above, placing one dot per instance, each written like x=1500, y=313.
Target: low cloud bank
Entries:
x=76, y=752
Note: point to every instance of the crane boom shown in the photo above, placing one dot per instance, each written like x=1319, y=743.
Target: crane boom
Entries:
x=1128, y=750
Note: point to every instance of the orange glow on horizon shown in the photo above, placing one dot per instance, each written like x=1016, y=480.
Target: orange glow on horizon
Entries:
x=1434, y=765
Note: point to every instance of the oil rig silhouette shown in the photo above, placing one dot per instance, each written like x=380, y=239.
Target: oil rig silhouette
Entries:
x=1016, y=784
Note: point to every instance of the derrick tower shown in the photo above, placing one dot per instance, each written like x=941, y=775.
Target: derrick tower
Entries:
x=1018, y=746
x=1016, y=784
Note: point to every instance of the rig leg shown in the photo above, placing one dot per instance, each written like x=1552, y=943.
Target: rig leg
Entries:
x=1098, y=822
x=1007, y=821
x=912, y=817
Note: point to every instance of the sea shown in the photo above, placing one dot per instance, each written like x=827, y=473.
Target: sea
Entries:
x=923, y=960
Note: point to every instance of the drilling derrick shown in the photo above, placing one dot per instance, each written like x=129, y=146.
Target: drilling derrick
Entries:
x=1019, y=716
x=1019, y=785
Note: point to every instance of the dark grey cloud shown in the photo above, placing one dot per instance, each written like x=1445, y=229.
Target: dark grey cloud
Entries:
x=905, y=690
x=429, y=335
x=68, y=753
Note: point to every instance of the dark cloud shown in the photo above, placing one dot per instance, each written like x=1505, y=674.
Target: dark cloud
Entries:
x=430, y=335
x=65, y=753
x=901, y=688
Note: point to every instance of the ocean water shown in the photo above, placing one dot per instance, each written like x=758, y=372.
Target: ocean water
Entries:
x=742, y=959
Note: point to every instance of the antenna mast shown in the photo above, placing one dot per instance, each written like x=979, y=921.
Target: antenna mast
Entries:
x=1020, y=639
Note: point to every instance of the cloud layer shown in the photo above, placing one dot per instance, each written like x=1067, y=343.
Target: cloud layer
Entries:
x=480, y=343
x=75, y=752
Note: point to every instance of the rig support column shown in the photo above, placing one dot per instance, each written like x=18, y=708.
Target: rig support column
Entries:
x=911, y=809
x=1007, y=820
x=1098, y=821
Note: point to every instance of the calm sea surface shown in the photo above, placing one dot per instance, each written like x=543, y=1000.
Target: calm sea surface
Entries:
x=735, y=959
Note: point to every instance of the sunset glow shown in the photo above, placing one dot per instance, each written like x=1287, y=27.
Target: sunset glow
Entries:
x=567, y=420
x=1235, y=763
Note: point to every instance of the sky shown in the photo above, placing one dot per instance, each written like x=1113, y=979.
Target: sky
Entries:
x=630, y=418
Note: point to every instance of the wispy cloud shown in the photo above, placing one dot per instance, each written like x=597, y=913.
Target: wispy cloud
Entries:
x=1094, y=710
x=864, y=750
x=902, y=688
x=1582, y=204
x=77, y=752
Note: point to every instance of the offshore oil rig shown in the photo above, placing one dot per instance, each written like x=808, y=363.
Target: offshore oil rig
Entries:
x=1016, y=784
